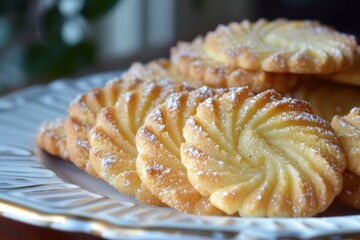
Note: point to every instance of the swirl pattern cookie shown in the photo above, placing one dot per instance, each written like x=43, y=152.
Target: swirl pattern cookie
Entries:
x=350, y=194
x=82, y=117
x=113, y=152
x=327, y=99
x=51, y=138
x=158, y=162
x=349, y=76
x=158, y=70
x=348, y=131
x=191, y=60
x=282, y=46
x=262, y=155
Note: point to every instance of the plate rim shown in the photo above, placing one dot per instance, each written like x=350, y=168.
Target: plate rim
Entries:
x=12, y=209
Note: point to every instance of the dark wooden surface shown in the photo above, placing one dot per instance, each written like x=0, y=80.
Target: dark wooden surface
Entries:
x=14, y=230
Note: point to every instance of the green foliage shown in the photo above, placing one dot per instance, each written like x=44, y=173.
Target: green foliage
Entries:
x=45, y=54
x=94, y=9
x=51, y=23
x=57, y=59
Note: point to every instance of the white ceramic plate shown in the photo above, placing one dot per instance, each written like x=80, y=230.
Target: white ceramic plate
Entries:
x=42, y=190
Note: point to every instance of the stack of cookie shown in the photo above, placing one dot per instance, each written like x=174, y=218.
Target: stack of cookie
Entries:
x=208, y=133
x=348, y=130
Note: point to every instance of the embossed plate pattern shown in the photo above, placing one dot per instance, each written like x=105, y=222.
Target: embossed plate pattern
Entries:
x=42, y=190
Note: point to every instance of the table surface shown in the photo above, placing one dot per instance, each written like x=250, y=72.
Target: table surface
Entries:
x=14, y=230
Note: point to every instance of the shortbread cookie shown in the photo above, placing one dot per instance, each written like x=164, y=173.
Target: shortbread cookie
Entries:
x=327, y=99
x=113, y=152
x=348, y=130
x=191, y=60
x=282, y=46
x=262, y=155
x=157, y=70
x=350, y=194
x=349, y=76
x=158, y=143
x=82, y=117
x=51, y=138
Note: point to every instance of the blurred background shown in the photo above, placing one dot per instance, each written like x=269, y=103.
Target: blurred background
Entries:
x=41, y=40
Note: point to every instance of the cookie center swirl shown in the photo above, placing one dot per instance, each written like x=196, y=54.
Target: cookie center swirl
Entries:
x=282, y=46
x=262, y=155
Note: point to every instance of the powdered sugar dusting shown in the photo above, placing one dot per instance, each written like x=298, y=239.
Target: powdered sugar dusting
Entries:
x=83, y=143
x=156, y=117
x=193, y=152
x=173, y=102
x=54, y=128
x=127, y=96
x=108, y=160
x=208, y=102
x=150, y=136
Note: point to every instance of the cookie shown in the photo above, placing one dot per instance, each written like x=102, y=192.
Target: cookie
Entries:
x=157, y=70
x=112, y=139
x=348, y=130
x=82, y=117
x=349, y=76
x=283, y=46
x=192, y=60
x=262, y=155
x=51, y=138
x=327, y=99
x=158, y=162
x=350, y=194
